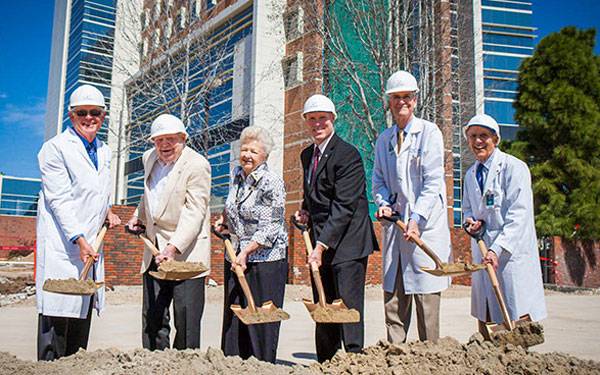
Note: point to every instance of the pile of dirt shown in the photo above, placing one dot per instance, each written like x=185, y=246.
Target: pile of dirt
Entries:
x=12, y=285
x=177, y=266
x=140, y=361
x=447, y=356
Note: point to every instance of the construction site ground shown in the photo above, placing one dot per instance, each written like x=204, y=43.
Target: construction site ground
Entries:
x=572, y=327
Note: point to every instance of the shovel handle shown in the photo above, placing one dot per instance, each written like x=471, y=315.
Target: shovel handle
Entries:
x=419, y=242
x=90, y=261
x=313, y=266
x=495, y=285
x=142, y=235
x=237, y=268
x=150, y=244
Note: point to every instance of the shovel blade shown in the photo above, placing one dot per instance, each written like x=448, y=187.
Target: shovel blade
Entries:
x=267, y=313
x=173, y=275
x=72, y=286
x=336, y=312
x=454, y=269
x=526, y=333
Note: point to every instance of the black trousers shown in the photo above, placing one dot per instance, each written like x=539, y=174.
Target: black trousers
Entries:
x=267, y=282
x=188, y=306
x=345, y=280
x=59, y=336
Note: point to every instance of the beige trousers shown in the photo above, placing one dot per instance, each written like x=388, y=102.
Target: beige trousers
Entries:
x=398, y=310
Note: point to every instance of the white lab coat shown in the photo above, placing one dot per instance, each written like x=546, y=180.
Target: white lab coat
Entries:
x=74, y=200
x=414, y=179
x=510, y=232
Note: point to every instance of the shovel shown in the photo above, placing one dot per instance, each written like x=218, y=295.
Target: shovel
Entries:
x=321, y=312
x=268, y=312
x=81, y=286
x=441, y=268
x=523, y=332
x=171, y=269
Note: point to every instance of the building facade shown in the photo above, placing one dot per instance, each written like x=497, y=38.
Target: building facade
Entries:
x=504, y=36
x=93, y=42
x=216, y=65
x=19, y=196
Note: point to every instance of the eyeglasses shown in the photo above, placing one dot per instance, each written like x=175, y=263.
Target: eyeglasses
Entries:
x=405, y=98
x=92, y=112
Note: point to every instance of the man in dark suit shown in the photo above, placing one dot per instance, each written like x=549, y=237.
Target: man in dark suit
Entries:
x=336, y=208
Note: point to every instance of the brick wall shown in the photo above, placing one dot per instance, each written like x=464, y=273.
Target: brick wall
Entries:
x=578, y=263
x=16, y=231
x=122, y=253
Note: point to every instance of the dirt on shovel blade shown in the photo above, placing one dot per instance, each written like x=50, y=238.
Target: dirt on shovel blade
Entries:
x=70, y=286
x=329, y=315
x=461, y=267
x=525, y=334
x=261, y=316
x=177, y=266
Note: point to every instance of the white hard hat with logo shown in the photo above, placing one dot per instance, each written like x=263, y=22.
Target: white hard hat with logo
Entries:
x=166, y=124
x=401, y=81
x=319, y=103
x=483, y=120
x=86, y=95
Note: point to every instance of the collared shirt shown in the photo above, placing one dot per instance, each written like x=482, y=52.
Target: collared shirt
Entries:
x=487, y=165
x=157, y=180
x=255, y=209
x=91, y=148
x=413, y=216
x=407, y=126
x=324, y=144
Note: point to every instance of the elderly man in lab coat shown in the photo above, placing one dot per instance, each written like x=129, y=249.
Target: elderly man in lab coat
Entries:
x=73, y=205
x=175, y=211
x=408, y=177
x=498, y=192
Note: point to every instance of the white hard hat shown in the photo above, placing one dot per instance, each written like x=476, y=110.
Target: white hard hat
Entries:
x=166, y=124
x=485, y=121
x=86, y=95
x=319, y=103
x=401, y=81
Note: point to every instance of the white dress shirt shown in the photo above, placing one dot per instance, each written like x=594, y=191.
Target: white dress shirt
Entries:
x=157, y=182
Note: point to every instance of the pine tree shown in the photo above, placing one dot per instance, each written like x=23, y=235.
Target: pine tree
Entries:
x=558, y=110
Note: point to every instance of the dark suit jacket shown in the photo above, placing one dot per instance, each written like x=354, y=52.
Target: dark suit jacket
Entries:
x=337, y=203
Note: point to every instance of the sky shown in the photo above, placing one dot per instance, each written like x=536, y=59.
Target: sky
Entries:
x=25, y=42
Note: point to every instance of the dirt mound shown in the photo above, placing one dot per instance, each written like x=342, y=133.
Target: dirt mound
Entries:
x=11, y=285
x=448, y=356
x=140, y=361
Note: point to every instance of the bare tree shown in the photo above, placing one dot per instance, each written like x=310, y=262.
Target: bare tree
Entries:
x=364, y=42
x=178, y=57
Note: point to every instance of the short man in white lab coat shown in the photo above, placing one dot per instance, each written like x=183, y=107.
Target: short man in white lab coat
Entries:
x=408, y=177
x=498, y=192
x=73, y=205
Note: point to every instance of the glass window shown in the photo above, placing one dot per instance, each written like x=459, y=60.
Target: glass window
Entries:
x=505, y=17
x=503, y=112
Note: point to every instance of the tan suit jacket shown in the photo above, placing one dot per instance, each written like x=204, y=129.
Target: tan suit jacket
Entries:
x=183, y=214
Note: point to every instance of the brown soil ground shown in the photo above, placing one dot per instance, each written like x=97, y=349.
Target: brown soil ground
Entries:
x=14, y=284
x=448, y=356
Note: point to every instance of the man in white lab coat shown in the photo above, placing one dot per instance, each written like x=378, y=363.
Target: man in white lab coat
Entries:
x=408, y=177
x=73, y=205
x=498, y=192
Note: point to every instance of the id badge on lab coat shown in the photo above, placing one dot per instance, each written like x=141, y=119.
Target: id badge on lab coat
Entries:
x=489, y=199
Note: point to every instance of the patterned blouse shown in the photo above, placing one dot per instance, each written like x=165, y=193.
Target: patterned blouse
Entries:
x=255, y=212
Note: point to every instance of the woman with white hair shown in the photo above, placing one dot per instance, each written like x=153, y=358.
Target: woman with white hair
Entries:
x=254, y=215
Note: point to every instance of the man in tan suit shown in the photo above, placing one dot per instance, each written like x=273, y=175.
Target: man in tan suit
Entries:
x=175, y=211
